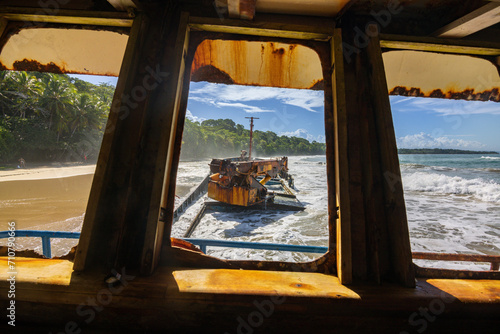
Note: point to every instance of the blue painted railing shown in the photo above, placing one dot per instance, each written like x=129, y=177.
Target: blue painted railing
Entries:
x=202, y=243
x=45, y=235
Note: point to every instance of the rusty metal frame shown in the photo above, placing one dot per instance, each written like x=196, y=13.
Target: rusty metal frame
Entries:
x=15, y=19
x=207, y=28
x=493, y=273
x=66, y=16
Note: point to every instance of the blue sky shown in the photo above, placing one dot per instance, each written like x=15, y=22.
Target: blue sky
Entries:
x=418, y=122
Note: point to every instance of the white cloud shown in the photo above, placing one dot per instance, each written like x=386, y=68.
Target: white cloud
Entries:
x=445, y=107
x=191, y=117
x=424, y=140
x=302, y=133
x=245, y=107
x=216, y=94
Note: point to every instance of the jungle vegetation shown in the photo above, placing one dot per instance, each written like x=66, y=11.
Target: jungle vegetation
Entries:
x=222, y=138
x=47, y=117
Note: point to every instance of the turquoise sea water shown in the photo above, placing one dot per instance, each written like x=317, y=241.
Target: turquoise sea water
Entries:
x=453, y=203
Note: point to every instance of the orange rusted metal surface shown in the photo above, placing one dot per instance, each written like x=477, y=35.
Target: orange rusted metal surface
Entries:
x=427, y=74
x=60, y=50
x=233, y=180
x=257, y=64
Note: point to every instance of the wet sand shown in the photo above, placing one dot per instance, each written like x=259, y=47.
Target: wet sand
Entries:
x=40, y=196
x=48, y=198
x=45, y=198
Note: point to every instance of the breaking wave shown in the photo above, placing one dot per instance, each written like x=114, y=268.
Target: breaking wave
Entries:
x=488, y=191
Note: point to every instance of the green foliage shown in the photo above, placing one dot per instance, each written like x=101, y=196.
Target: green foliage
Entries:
x=220, y=138
x=51, y=117
x=48, y=117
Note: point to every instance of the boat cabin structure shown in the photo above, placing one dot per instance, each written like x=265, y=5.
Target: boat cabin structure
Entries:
x=127, y=274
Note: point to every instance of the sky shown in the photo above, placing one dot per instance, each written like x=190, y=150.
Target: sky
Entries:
x=418, y=122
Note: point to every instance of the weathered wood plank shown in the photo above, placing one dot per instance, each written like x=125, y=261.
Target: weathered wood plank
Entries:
x=443, y=45
x=66, y=16
x=170, y=101
x=343, y=233
x=474, y=21
x=397, y=223
x=104, y=163
x=268, y=26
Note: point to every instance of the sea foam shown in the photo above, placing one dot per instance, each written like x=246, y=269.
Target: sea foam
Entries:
x=479, y=188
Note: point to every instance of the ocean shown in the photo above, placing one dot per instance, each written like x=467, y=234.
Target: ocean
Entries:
x=452, y=206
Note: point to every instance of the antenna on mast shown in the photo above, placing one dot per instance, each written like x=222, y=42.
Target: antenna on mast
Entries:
x=251, y=135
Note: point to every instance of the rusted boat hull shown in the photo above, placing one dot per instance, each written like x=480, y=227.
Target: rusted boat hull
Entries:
x=233, y=195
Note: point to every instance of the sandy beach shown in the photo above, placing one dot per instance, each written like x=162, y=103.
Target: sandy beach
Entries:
x=52, y=198
x=45, y=198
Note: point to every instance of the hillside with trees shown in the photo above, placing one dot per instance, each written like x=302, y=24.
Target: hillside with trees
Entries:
x=55, y=118
x=51, y=117
x=221, y=138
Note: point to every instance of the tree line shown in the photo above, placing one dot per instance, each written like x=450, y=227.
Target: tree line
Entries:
x=440, y=151
x=219, y=138
x=51, y=117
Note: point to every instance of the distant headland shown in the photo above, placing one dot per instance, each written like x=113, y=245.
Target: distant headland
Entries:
x=440, y=151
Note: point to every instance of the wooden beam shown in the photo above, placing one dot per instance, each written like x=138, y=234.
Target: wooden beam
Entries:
x=169, y=101
x=103, y=167
x=475, y=21
x=303, y=29
x=111, y=19
x=344, y=254
x=442, y=45
x=3, y=25
x=208, y=300
x=394, y=204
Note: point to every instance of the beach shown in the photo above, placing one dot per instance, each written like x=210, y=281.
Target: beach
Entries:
x=50, y=198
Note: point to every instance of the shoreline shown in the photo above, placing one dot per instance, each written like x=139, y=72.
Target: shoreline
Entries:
x=43, y=172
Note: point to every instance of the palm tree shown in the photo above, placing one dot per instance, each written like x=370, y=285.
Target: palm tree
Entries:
x=57, y=102
x=27, y=89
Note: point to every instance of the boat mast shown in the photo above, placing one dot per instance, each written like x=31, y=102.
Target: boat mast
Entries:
x=251, y=135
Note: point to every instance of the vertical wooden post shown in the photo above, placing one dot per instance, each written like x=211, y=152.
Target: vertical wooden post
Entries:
x=394, y=204
x=122, y=226
x=344, y=261
x=372, y=231
x=171, y=101
x=90, y=228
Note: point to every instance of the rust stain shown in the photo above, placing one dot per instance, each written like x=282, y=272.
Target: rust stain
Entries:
x=267, y=64
x=467, y=94
x=318, y=85
x=280, y=51
x=212, y=74
x=35, y=66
